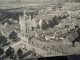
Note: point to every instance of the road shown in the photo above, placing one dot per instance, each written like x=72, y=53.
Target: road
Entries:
x=15, y=45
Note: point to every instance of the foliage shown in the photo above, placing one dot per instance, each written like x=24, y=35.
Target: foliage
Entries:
x=37, y=26
x=13, y=56
x=59, y=18
x=3, y=40
x=54, y=18
x=78, y=31
x=50, y=24
x=20, y=52
x=1, y=51
x=9, y=51
x=13, y=35
x=64, y=16
x=55, y=21
x=44, y=25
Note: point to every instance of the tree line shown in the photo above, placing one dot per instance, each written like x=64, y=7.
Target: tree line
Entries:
x=12, y=36
x=51, y=23
x=10, y=52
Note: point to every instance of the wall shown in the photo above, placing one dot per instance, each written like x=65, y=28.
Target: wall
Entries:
x=44, y=53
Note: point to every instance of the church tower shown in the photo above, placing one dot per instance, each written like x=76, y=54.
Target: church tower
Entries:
x=22, y=23
x=25, y=26
x=28, y=24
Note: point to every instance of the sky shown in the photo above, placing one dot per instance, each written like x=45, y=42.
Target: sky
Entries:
x=13, y=3
x=3, y=2
x=21, y=0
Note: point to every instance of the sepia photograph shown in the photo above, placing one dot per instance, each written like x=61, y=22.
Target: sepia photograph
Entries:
x=32, y=29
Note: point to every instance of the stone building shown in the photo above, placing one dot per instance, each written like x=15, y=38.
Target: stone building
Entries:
x=26, y=25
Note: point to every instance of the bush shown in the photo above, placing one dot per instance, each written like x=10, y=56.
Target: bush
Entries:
x=44, y=25
x=59, y=18
x=9, y=51
x=13, y=35
x=3, y=40
x=50, y=24
x=13, y=56
x=20, y=52
x=1, y=51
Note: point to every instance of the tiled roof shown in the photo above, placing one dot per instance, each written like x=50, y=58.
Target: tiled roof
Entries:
x=72, y=36
x=72, y=6
x=75, y=35
x=66, y=41
x=32, y=33
x=43, y=17
x=49, y=32
x=39, y=31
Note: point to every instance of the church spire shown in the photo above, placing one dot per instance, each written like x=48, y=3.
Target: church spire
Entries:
x=24, y=14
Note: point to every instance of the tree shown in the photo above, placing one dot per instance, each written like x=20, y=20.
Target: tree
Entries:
x=13, y=35
x=13, y=56
x=44, y=25
x=50, y=24
x=38, y=26
x=60, y=5
x=78, y=31
x=76, y=26
x=20, y=52
x=64, y=16
x=9, y=22
x=59, y=18
x=73, y=42
x=1, y=51
x=3, y=40
x=9, y=51
x=54, y=18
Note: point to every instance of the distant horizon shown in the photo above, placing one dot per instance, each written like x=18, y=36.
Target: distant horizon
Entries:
x=8, y=4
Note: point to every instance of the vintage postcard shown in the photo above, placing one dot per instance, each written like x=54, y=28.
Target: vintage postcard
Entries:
x=39, y=28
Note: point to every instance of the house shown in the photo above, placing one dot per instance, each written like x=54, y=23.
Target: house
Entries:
x=76, y=44
x=47, y=37
x=15, y=21
x=39, y=34
x=66, y=41
x=72, y=36
x=49, y=8
x=32, y=34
